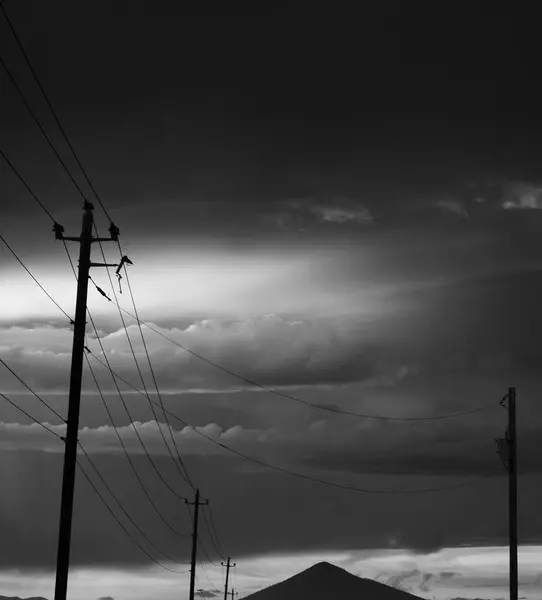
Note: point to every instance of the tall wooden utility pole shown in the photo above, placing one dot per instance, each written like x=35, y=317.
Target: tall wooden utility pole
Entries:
x=513, y=494
x=228, y=566
x=232, y=594
x=70, y=451
x=507, y=448
x=197, y=502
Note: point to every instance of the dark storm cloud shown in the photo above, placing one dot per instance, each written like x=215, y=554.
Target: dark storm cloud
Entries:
x=424, y=150
x=269, y=350
x=424, y=522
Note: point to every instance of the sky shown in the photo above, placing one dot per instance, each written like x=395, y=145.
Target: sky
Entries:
x=342, y=208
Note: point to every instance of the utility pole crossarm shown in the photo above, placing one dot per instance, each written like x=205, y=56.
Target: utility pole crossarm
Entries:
x=104, y=264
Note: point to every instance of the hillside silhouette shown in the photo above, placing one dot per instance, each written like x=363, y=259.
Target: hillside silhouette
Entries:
x=324, y=581
x=17, y=598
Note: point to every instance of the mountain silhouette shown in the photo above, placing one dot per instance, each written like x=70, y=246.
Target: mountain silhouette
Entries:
x=17, y=598
x=324, y=581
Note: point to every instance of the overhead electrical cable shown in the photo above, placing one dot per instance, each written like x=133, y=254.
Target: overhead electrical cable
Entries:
x=114, y=378
x=111, y=512
x=52, y=110
x=180, y=466
x=252, y=459
x=35, y=280
x=153, y=373
x=21, y=410
x=119, y=504
x=130, y=461
x=97, y=336
x=32, y=391
x=213, y=536
x=207, y=555
x=346, y=487
x=300, y=400
x=70, y=319
x=23, y=181
x=40, y=126
x=93, y=486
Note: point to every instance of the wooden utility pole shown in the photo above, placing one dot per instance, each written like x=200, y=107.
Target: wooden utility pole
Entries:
x=512, y=494
x=76, y=373
x=197, y=503
x=228, y=566
x=507, y=448
x=232, y=594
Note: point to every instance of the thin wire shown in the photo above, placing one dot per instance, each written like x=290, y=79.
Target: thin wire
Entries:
x=300, y=400
x=308, y=477
x=114, y=377
x=70, y=259
x=53, y=112
x=40, y=126
x=184, y=474
x=209, y=581
x=22, y=180
x=31, y=417
x=138, y=477
x=204, y=549
x=154, y=376
x=119, y=504
x=35, y=280
x=32, y=391
x=97, y=492
x=120, y=394
x=212, y=533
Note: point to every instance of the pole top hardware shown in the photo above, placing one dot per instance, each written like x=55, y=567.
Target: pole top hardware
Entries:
x=114, y=232
x=59, y=231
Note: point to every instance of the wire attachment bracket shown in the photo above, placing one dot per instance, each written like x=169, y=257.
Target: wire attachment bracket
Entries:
x=123, y=261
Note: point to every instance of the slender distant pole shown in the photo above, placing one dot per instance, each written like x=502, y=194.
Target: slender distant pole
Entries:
x=512, y=494
x=197, y=502
x=70, y=452
x=228, y=566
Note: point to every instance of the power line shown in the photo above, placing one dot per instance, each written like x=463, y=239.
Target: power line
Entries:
x=53, y=112
x=32, y=391
x=97, y=492
x=114, y=377
x=302, y=475
x=207, y=556
x=257, y=461
x=213, y=536
x=40, y=126
x=97, y=337
x=152, y=372
x=94, y=487
x=209, y=581
x=138, y=477
x=119, y=504
x=300, y=400
x=16, y=406
x=23, y=181
x=35, y=280
x=183, y=475
x=117, y=387
x=31, y=417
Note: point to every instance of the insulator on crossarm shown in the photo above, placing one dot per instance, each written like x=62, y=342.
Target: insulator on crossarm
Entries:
x=114, y=232
x=59, y=231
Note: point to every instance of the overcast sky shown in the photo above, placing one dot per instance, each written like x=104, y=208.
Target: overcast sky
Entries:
x=345, y=209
